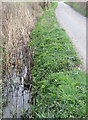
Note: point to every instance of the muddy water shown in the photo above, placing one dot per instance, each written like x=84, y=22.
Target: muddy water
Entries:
x=18, y=97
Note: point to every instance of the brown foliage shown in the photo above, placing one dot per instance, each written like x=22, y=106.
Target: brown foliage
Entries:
x=18, y=20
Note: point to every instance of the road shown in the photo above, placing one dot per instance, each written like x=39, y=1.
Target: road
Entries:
x=75, y=26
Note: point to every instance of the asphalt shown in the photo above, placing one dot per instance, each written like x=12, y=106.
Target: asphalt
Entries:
x=75, y=26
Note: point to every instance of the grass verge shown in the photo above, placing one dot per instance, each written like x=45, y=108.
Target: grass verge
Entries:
x=58, y=84
x=78, y=8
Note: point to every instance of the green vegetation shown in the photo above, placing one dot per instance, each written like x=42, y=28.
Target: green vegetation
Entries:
x=77, y=7
x=58, y=84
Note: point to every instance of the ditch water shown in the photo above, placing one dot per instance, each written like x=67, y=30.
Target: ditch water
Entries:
x=18, y=97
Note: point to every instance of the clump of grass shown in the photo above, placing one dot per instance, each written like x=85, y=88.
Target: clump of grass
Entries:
x=58, y=84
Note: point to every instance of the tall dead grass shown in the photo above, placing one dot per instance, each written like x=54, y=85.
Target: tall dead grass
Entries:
x=18, y=20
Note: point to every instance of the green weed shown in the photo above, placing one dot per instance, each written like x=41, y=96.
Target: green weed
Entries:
x=57, y=81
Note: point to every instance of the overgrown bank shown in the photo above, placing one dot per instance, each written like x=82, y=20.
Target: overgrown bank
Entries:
x=18, y=20
x=58, y=84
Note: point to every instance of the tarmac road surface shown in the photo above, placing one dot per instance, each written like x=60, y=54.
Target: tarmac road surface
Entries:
x=75, y=25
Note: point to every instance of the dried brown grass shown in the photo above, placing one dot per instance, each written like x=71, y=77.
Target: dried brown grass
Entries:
x=18, y=20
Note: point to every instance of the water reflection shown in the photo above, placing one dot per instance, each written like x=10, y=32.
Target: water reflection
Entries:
x=17, y=97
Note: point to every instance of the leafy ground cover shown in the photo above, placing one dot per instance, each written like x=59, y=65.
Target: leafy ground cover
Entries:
x=77, y=7
x=58, y=83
